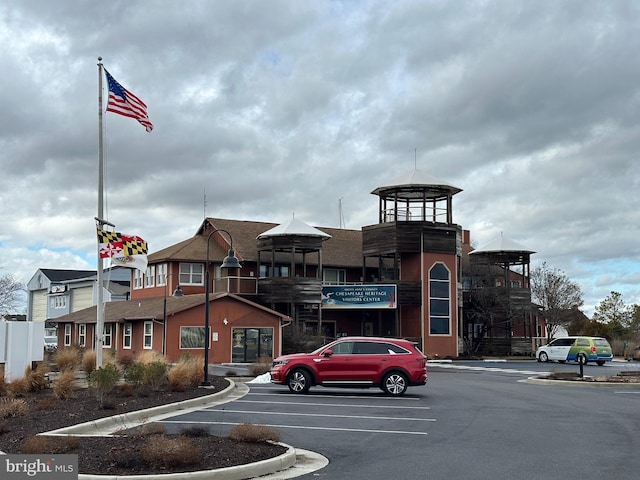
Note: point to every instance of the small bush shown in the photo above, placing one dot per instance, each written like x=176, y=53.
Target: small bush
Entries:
x=103, y=380
x=65, y=385
x=155, y=374
x=149, y=356
x=47, y=404
x=125, y=390
x=37, y=378
x=134, y=373
x=42, y=444
x=170, y=452
x=13, y=407
x=18, y=387
x=248, y=432
x=195, y=431
x=184, y=374
x=67, y=359
x=262, y=366
x=89, y=361
x=151, y=429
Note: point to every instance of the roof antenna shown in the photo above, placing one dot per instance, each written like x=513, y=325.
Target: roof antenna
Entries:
x=204, y=202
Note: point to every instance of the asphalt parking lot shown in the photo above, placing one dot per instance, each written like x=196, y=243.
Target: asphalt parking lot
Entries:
x=475, y=421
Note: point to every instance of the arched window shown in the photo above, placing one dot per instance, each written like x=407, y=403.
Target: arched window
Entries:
x=439, y=300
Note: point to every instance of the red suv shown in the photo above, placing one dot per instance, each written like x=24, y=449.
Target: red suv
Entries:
x=388, y=363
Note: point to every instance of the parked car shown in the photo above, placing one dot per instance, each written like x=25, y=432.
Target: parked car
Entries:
x=576, y=349
x=634, y=354
x=50, y=344
x=390, y=364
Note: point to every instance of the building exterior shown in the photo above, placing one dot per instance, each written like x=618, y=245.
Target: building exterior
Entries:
x=53, y=293
x=410, y=275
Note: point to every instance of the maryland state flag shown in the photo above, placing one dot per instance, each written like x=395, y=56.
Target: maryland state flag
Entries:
x=125, y=250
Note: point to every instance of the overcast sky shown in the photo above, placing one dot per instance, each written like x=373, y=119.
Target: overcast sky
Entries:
x=275, y=108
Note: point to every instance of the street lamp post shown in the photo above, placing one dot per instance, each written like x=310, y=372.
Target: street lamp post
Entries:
x=176, y=293
x=230, y=261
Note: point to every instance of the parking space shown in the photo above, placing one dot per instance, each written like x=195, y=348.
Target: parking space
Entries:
x=337, y=411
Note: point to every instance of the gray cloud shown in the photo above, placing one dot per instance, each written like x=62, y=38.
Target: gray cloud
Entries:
x=271, y=108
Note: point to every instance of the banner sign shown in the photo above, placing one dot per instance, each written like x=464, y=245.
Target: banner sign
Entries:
x=359, y=296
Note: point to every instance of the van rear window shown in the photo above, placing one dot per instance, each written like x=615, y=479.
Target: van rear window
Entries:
x=600, y=342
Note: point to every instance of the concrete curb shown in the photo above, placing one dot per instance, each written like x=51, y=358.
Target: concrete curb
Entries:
x=578, y=383
x=239, y=472
x=107, y=426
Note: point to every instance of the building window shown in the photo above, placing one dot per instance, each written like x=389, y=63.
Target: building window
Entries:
x=59, y=301
x=126, y=336
x=137, y=279
x=334, y=276
x=191, y=337
x=266, y=271
x=82, y=334
x=150, y=276
x=439, y=300
x=67, y=335
x=106, y=337
x=148, y=334
x=161, y=274
x=249, y=344
x=191, y=274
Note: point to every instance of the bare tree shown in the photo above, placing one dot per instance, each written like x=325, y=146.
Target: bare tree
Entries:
x=556, y=294
x=9, y=291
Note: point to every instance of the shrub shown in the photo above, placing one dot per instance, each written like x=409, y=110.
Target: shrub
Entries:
x=42, y=444
x=262, y=366
x=18, y=387
x=47, y=404
x=125, y=390
x=13, y=407
x=248, y=432
x=184, y=374
x=103, y=380
x=37, y=378
x=67, y=358
x=134, y=373
x=65, y=385
x=89, y=361
x=155, y=374
x=151, y=429
x=149, y=356
x=170, y=452
x=195, y=431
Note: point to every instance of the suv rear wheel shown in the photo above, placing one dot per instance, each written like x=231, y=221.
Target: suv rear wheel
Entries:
x=299, y=381
x=394, y=383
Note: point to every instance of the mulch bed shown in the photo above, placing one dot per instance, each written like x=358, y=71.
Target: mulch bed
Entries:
x=121, y=455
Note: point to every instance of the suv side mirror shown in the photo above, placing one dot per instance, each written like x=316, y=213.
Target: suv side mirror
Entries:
x=327, y=353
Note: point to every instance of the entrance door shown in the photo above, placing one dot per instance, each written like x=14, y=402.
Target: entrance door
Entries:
x=249, y=344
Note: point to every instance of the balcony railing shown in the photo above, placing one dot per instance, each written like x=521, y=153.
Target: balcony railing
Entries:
x=239, y=285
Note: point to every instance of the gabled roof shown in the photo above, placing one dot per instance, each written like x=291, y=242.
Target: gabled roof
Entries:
x=58, y=275
x=344, y=248
x=153, y=308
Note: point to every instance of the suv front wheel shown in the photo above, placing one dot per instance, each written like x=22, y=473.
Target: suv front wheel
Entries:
x=299, y=381
x=394, y=383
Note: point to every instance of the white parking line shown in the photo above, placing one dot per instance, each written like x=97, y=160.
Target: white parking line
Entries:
x=367, y=397
x=336, y=405
x=304, y=427
x=489, y=369
x=329, y=415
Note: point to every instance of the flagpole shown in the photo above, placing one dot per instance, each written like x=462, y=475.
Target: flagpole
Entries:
x=99, y=332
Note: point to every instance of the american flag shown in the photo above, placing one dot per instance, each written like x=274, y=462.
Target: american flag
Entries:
x=123, y=102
